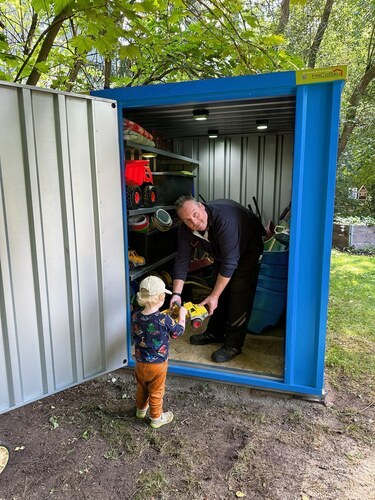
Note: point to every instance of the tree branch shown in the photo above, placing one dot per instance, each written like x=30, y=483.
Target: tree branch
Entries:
x=320, y=34
x=47, y=44
x=352, y=108
x=284, y=17
x=54, y=27
x=30, y=34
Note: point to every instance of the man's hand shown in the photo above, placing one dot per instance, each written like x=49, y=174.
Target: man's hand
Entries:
x=211, y=303
x=175, y=299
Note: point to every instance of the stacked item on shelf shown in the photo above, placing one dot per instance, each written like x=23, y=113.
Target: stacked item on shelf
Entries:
x=140, y=190
x=158, y=241
x=137, y=134
x=161, y=220
x=140, y=223
x=171, y=185
x=161, y=140
x=271, y=293
x=135, y=260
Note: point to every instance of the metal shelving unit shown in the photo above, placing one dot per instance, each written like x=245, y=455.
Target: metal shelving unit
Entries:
x=163, y=156
x=161, y=152
x=149, y=210
x=136, y=273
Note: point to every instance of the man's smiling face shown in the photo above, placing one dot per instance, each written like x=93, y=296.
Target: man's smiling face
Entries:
x=194, y=215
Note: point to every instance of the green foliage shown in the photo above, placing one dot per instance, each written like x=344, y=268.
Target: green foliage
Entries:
x=360, y=221
x=154, y=41
x=356, y=167
x=146, y=41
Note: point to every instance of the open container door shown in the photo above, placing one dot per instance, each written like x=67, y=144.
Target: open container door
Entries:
x=62, y=284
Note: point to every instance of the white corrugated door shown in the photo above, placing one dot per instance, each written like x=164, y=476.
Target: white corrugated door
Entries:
x=62, y=268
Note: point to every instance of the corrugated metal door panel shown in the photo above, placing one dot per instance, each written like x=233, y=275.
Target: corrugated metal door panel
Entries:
x=22, y=305
x=51, y=256
x=83, y=185
x=63, y=303
x=110, y=230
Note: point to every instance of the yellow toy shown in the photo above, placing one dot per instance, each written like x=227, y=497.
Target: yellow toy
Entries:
x=196, y=313
x=135, y=260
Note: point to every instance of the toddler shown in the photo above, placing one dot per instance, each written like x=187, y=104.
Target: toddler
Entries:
x=151, y=331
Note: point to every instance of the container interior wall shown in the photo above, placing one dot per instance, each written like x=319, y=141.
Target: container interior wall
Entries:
x=240, y=167
x=237, y=167
x=62, y=282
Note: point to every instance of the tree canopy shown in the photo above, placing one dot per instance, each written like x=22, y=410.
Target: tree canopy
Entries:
x=79, y=45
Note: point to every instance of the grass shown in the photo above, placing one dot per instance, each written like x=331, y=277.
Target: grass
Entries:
x=351, y=318
x=150, y=484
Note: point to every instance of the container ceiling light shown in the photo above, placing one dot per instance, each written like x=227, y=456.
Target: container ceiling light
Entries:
x=200, y=114
x=149, y=154
x=213, y=134
x=262, y=124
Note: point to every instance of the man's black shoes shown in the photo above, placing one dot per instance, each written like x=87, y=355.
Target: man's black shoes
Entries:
x=225, y=354
x=204, y=338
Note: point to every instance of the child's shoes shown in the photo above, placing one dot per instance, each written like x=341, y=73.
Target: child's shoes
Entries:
x=141, y=413
x=165, y=418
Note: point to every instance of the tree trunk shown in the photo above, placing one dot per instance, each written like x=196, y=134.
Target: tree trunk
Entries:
x=284, y=17
x=314, y=49
x=107, y=72
x=352, y=108
x=73, y=73
x=45, y=49
x=30, y=35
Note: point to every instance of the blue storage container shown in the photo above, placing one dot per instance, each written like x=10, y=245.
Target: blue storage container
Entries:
x=277, y=258
x=277, y=272
x=269, y=300
x=260, y=320
x=269, y=305
x=272, y=283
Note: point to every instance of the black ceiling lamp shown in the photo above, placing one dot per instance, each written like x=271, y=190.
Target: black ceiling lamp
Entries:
x=262, y=124
x=149, y=154
x=213, y=134
x=200, y=114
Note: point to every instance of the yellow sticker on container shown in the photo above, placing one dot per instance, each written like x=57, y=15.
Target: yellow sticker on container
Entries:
x=317, y=75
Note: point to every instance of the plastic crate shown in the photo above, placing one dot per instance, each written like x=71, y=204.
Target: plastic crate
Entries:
x=270, y=300
x=171, y=185
x=271, y=283
x=260, y=320
x=268, y=308
x=277, y=258
x=278, y=272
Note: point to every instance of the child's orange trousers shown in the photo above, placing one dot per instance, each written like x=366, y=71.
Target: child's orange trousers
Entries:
x=150, y=379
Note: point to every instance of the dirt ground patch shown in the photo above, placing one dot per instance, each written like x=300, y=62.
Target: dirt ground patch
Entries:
x=225, y=442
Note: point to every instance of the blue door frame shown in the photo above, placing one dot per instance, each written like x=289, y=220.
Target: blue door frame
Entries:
x=313, y=189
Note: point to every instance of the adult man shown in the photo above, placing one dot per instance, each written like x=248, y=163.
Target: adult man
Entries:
x=232, y=235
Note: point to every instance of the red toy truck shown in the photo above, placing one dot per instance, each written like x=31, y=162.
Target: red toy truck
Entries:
x=140, y=190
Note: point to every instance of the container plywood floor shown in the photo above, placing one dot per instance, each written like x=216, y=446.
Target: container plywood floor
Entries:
x=261, y=354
